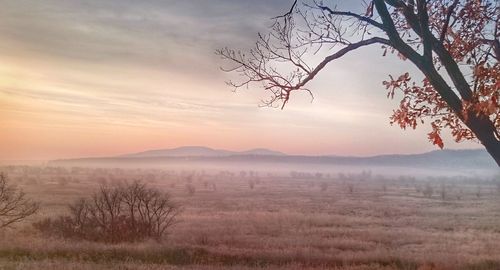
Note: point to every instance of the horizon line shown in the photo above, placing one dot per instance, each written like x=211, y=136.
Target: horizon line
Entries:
x=220, y=149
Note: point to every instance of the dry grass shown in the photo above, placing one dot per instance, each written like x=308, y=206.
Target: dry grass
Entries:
x=282, y=223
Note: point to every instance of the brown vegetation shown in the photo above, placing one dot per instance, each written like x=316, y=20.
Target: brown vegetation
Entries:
x=129, y=212
x=284, y=223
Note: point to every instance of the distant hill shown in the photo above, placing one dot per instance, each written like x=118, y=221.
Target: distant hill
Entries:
x=262, y=152
x=448, y=159
x=201, y=151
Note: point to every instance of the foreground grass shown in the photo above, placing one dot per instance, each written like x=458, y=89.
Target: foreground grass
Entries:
x=156, y=255
x=82, y=255
x=283, y=223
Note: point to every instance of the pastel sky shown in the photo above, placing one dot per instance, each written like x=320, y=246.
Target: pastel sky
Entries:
x=100, y=78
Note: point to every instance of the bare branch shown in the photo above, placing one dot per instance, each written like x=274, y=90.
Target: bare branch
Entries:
x=14, y=206
x=450, y=11
x=354, y=15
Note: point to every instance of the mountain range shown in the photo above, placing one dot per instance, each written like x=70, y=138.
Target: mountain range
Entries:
x=202, y=151
x=449, y=159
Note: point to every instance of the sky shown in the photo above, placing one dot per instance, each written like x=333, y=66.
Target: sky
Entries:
x=102, y=78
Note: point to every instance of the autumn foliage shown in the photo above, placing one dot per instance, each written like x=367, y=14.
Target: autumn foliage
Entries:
x=464, y=28
x=455, y=44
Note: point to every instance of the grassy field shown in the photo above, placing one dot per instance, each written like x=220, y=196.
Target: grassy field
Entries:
x=275, y=221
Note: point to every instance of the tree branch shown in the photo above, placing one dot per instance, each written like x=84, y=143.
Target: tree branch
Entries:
x=450, y=11
x=338, y=54
x=449, y=63
x=354, y=15
x=427, y=68
x=424, y=25
x=328, y=59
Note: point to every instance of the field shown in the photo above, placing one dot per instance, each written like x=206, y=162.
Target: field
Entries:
x=274, y=220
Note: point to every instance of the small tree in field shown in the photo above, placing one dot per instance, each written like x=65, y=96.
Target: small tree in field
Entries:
x=323, y=186
x=14, y=206
x=251, y=184
x=191, y=189
x=428, y=190
x=129, y=212
x=442, y=192
x=454, y=43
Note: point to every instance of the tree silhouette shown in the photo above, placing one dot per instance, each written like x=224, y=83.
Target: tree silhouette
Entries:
x=454, y=43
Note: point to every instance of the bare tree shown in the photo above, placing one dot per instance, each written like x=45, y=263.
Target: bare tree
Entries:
x=428, y=190
x=149, y=209
x=251, y=184
x=127, y=212
x=106, y=210
x=323, y=186
x=14, y=206
x=454, y=43
x=191, y=189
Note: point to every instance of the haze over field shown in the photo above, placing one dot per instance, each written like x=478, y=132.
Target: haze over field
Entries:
x=450, y=162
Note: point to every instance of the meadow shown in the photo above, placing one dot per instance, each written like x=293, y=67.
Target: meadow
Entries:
x=273, y=220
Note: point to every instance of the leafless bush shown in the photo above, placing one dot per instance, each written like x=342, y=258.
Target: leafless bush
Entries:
x=202, y=239
x=323, y=186
x=350, y=188
x=428, y=191
x=129, y=212
x=189, y=178
x=190, y=189
x=14, y=206
x=251, y=184
x=62, y=181
x=384, y=187
x=443, y=192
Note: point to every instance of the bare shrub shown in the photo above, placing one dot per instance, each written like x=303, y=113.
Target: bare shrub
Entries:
x=251, y=184
x=350, y=188
x=14, y=206
x=189, y=178
x=442, y=192
x=62, y=181
x=129, y=212
x=202, y=239
x=190, y=189
x=323, y=186
x=478, y=192
x=428, y=191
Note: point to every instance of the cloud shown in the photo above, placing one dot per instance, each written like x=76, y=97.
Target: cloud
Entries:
x=150, y=64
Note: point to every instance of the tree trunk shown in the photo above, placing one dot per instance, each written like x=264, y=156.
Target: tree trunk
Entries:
x=484, y=130
x=481, y=126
